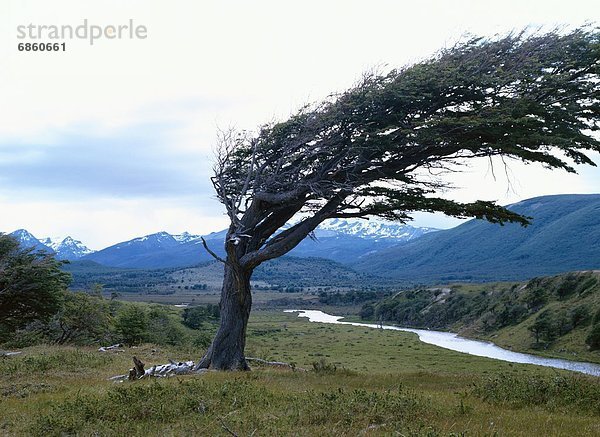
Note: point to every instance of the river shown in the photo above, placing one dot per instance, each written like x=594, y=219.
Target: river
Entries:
x=449, y=340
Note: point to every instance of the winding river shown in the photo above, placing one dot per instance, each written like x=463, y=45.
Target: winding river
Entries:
x=454, y=342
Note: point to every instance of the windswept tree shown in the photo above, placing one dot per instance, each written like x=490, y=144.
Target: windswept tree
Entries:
x=382, y=148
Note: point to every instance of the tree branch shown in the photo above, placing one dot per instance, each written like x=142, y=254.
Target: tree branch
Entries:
x=211, y=253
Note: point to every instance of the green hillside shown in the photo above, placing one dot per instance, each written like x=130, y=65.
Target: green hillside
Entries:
x=558, y=316
x=564, y=236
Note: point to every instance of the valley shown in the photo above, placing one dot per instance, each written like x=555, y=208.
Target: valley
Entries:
x=350, y=368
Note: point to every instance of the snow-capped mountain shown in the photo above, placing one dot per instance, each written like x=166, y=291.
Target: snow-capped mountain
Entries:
x=338, y=240
x=64, y=248
x=67, y=248
x=372, y=229
x=27, y=240
x=159, y=250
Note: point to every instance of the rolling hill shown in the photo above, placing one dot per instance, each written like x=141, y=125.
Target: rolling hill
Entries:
x=564, y=236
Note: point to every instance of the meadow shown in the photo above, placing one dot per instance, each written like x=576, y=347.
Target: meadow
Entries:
x=348, y=381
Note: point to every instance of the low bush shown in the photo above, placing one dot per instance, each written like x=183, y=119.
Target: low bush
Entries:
x=573, y=393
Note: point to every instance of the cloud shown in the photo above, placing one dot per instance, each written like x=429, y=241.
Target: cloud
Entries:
x=114, y=141
x=139, y=161
x=100, y=222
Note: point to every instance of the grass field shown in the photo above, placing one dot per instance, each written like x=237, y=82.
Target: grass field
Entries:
x=367, y=382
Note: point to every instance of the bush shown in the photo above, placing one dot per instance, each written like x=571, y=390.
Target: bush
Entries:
x=83, y=318
x=367, y=311
x=202, y=340
x=31, y=285
x=580, y=316
x=195, y=317
x=568, y=392
x=164, y=328
x=131, y=325
x=593, y=338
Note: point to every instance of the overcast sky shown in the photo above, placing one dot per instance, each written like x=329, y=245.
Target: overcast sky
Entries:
x=113, y=141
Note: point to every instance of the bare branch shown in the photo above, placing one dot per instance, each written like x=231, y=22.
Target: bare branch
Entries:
x=211, y=253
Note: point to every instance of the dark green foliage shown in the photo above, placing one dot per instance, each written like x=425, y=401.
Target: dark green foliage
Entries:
x=588, y=285
x=568, y=286
x=164, y=327
x=521, y=96
x=83, y=318
x=596, y=319
x=195, y=317
x=202, y=340
x=537, y=296
x=31, y=285
x=367, y=311
x=430, y=308
x=135, y=324
x=593, y=338
x=353, y=297
x=131, y=324
x=580, y=316
x=544, y=327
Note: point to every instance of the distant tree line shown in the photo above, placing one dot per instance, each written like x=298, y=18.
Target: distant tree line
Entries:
x=353, y=297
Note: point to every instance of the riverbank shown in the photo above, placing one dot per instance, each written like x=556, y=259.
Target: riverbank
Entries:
x=454, y=342
x=556, y=316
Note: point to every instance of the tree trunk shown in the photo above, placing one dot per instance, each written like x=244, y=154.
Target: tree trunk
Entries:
x=227, y=349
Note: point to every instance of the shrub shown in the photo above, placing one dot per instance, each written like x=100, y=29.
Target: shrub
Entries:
x=195, y=317
x=580, y=316
x=593, y=338
x=568, y=392
x=132, y=324
x=31, y=285
x=164, y=328
x=83, y=318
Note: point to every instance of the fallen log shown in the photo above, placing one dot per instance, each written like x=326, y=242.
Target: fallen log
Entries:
x=138, y=371
x=115, y=348
x=9, y=353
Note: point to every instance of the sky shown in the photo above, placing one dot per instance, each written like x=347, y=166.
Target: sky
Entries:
x=111, y=141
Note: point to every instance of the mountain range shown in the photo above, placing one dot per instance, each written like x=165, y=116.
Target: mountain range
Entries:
x=338, y=240
x=64, y=248
x=343, y=241
x=564, y=235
